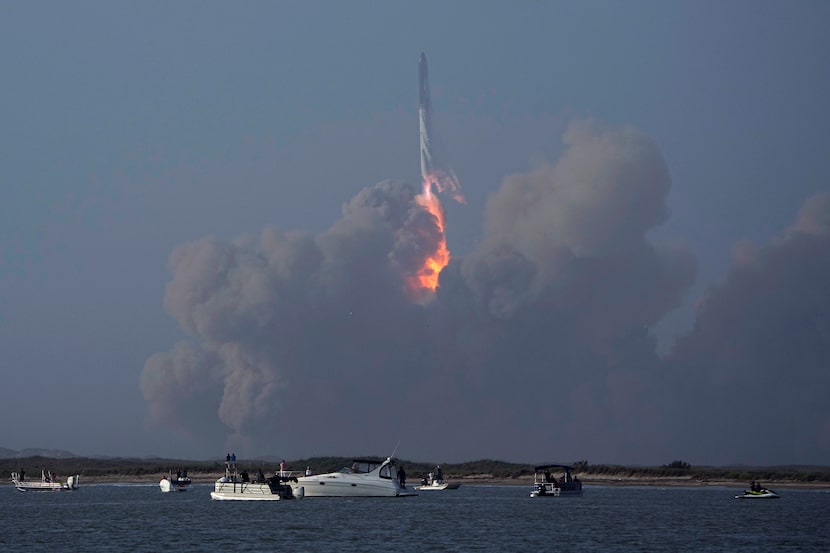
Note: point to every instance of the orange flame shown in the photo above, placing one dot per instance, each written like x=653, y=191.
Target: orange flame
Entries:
x=425, y=280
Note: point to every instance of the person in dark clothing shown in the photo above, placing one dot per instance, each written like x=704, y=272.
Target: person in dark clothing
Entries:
x=402, y=477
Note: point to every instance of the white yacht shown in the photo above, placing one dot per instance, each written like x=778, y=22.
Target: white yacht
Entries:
x=364, y=478
x=47, y=482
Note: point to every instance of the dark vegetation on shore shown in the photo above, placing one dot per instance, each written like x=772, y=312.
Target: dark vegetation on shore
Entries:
x=135, y=467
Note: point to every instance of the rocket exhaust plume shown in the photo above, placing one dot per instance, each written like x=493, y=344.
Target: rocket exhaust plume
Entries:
x=434, y=179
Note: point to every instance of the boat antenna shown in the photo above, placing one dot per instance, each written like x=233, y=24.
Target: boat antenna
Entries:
x=395, y=450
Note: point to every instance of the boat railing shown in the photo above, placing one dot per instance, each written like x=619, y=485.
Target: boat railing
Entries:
x=547, y=488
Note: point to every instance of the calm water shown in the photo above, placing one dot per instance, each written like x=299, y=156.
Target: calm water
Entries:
x=473, y=518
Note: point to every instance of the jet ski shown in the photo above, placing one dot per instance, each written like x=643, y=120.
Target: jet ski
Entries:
x=763, y=493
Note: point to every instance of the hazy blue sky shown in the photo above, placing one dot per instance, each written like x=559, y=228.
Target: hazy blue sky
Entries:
x=206, y=212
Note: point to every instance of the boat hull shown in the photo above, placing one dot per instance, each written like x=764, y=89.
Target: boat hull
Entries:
x=438, y=487
x=549, y=490
x=556, y=493
x=40, y=486
x=337, y=485
x=230, y=496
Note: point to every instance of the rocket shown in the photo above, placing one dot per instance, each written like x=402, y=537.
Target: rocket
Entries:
x=424, y=115
x=434, y=173
x=423, y=82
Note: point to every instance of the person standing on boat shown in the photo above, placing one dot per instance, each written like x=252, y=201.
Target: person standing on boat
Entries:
x=402, y=477
x=308, y=471
x=282, y=467
x=439, y=474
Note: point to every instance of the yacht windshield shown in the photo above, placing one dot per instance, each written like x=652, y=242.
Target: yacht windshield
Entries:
x=388, y=471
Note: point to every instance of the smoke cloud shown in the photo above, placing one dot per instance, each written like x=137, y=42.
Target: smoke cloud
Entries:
x=537, y=345
x=758, y=358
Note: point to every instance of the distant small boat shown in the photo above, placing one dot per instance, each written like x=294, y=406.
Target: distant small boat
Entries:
x=179, y=483
x=545, y=484
x=437, y=485
x=47, y=482
x=763, y=493
x=435, y=481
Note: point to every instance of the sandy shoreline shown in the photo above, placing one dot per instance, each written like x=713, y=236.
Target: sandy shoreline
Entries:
x=525, y=481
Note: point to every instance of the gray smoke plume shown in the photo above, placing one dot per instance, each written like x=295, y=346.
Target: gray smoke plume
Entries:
x=756, y=368
x=537, y=345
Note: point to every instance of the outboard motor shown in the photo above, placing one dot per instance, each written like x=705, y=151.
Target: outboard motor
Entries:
x=280, y=485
